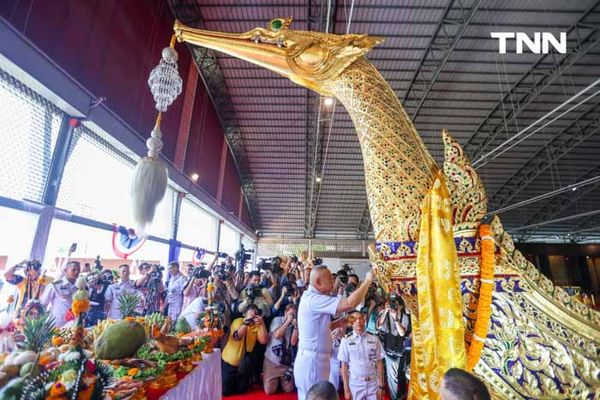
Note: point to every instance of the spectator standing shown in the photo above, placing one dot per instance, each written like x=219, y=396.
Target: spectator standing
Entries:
x=58, y=296
x=244, y=334
x=30, y=286
x=174, y=288
x=112, y=307
x=361, y=355
x=254, y=294
x=393, y=325
x=279, y=356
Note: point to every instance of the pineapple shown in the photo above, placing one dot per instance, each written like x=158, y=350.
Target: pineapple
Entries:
x=37, y=332
x=128, y=302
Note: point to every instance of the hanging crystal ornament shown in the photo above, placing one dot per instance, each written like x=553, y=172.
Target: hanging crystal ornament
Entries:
x=150, y=176
x=164, y=81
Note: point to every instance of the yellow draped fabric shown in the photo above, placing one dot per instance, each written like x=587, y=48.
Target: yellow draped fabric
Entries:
x=438, y=330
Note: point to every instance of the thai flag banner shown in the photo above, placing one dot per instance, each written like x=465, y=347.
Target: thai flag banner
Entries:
x=125, y=242
x=197, y=257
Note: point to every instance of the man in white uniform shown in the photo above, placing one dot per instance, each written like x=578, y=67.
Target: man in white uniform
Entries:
x=112, y=305
x=317, y=307
x=58, y=296
x=175, y=285
x=361, y=354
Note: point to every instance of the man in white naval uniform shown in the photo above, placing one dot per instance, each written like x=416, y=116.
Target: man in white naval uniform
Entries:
x=361, y=354
x=316, y=309
x=112, y=305
x=174, y=287
x=58, y=296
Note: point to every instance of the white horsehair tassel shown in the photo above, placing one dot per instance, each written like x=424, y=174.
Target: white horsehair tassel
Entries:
x=150, y=176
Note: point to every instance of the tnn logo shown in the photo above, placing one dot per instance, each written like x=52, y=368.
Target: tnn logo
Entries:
x=540, y=44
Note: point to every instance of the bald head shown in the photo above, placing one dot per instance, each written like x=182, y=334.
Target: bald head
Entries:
x=458, y=384
x=321, y=279
x=323, y=390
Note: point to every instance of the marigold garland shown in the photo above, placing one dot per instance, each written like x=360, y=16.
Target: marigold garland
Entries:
x=80, y=306
x=484, y=304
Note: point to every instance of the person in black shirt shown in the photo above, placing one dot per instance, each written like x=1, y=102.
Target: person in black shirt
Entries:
x=393, y=325
x=98, y=284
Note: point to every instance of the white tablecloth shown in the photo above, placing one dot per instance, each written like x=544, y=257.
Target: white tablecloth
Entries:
x=203, y=383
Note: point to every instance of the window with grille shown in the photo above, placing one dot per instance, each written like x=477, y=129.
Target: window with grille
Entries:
x=29, y=127
x=196, y=227
x=230, y=240
x=16, y=235
x=96, y=184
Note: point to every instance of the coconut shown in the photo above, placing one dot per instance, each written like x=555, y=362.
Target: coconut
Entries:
x=120, y=340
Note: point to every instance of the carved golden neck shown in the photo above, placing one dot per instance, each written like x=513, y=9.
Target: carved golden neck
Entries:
x=398, y=168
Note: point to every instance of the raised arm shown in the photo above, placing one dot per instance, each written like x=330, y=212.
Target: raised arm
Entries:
x=356, y=297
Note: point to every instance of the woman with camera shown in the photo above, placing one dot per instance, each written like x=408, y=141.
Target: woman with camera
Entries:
x=238, y=363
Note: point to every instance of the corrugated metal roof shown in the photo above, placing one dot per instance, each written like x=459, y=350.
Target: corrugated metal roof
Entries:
x=477, y=95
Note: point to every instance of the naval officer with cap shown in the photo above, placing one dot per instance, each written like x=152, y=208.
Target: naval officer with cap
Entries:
x=362, y=362
x=58, y=296
x=317, y=307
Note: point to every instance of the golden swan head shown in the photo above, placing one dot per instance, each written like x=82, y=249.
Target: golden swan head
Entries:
x=306, y=58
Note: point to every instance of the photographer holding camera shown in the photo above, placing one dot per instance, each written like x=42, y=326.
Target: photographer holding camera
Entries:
x=279, y=356
x=289, y=295
x=98, y=282
x=254, y=294
x=238, y=359
x=394, y=327
x=30, y=286
x=151, y=287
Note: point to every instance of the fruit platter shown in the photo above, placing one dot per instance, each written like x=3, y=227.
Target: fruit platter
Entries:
x=41, y=362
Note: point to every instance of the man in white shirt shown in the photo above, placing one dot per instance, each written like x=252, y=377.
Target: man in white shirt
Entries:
x=193, y=311
x=111, y=304
x=317, y=307
x=58, y=296
x=361, y=354
x=174, y=287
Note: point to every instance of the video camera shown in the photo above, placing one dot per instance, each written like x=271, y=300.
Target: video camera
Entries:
x=104, y=278
x=253, y=292
x=156, y=272
x=317, y=261
x=395, y=302
x=270, y=264
x=31, y=264
x=351, y=287
x=200, y=273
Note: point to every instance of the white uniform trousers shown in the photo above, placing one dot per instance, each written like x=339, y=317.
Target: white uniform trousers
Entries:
x=309, y=368
x=362, y=389
x=334, y=372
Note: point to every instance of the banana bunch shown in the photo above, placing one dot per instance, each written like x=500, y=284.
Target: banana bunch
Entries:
x=100, y=327
x=155, y=319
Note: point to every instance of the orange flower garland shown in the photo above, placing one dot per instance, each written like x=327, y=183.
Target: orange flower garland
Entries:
x=484, y=304
x=133, y=372
x=57, y=341
x=80, y=306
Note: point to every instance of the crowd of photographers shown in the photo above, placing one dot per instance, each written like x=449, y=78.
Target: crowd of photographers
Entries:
x=258, y=306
